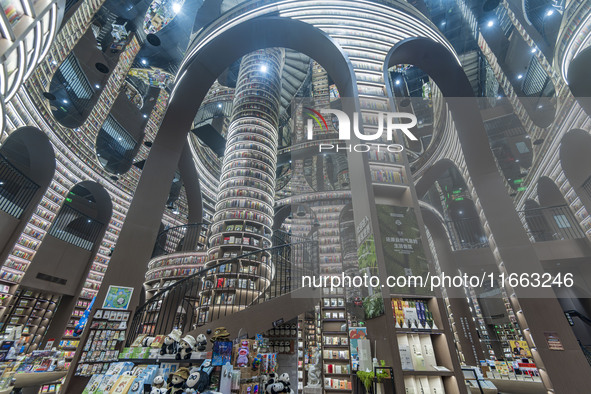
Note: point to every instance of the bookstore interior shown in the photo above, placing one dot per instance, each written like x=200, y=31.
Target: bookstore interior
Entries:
x=184, y=207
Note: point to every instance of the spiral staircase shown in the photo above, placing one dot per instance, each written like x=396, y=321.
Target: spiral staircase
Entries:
x=178, y=305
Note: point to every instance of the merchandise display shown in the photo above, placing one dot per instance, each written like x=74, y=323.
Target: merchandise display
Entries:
x=302, y=197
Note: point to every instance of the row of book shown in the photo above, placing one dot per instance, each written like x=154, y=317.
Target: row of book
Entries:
x=393, y=176
x=337, y=368
x=329, y=354
x=337, y=383
x=232, y=240
x=409, y=313
x=240, y=227
x=248, y=204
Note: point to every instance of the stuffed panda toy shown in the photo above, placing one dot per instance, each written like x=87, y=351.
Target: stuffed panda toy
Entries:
x=201, y=342
x=156, y=390
x=204, y=370
x=192, y=382
x=284, y=378
x=158, y=382
x=275, y=388
x=171, y=342
x=147, y=341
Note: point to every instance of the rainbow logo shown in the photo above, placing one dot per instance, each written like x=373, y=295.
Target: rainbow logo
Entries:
x=317, y=117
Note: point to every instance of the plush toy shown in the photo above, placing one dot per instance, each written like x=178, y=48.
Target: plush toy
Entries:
x=192, y=382
x=185, y=348
x=284, y=378
x=147, y=341
x=204, y=370
x=242, y=359
x=275, y=388
x=171, y=342
x=158, y=382
x=156, y=390
x=256, y=362
x=177, y=381
x=201, y=342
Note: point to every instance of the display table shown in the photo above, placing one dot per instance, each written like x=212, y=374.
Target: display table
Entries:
x=519, y=386
x=31, y=381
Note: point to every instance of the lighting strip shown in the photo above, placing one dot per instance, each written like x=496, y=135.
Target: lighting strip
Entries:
x=565, y=61
x=21, y=71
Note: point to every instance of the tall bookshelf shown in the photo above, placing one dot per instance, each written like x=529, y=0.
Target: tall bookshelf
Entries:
x=335, y=342
x=243, y=219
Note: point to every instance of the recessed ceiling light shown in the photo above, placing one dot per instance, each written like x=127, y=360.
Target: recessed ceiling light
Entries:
x=533, y=50
x=144, y=62
x=398, y=82
x=65, y=101
x=145, y=116
x=264, y=68
x=97, y=86
x=550, y=13
x=520, y=76
x=490, y=23
x=176, y=8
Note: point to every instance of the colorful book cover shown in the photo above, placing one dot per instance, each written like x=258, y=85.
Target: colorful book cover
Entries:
x=122, y=385
x=222, y=353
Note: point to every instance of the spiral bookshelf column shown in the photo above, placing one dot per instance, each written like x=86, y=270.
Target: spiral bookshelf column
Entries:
x=244, y=211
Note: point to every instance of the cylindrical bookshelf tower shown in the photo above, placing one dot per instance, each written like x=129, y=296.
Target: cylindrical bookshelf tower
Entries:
x=244, y=211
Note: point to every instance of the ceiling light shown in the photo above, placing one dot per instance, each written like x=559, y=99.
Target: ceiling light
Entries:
x=398, y=82
x=264, y=68
x=145, y=116
x=220, y=105
x=490, y=23
x=97, y=86
x=176, y=8
x=460, y=212
x=144, y=62
x=520, y=76
x=65, y=101
x=533, y=50
x=550, y=13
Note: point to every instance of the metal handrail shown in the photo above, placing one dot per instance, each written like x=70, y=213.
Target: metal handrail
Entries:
x=16, y=189
x=161, y=312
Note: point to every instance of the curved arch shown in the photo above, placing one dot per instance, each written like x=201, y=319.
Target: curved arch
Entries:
x=195, y=80
x=575, y=156
x=549, y=194
x=31, y=152
x=27, y=166
x=579, y=82
x=575, y=159
x=498, y=207
x=84, y=217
